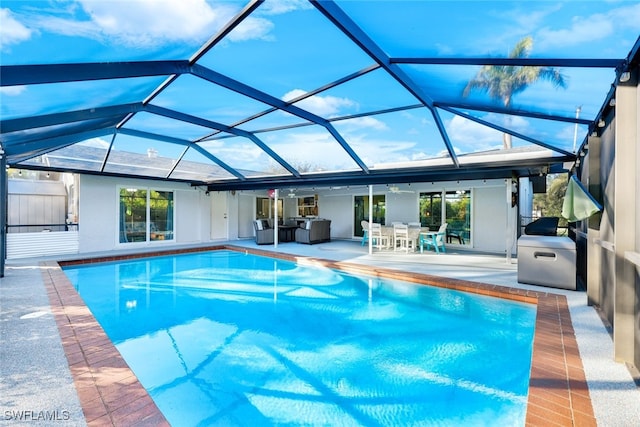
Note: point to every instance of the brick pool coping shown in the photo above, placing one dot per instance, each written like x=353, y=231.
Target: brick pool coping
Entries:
x=110, y=393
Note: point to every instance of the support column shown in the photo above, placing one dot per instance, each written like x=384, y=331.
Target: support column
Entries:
x=594, y=250
x=275, y=220
x=3, y=210
x=370, y=240
x=625, y=214
x=511, y=228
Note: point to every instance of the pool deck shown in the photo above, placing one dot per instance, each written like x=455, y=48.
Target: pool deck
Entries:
x=58, y=365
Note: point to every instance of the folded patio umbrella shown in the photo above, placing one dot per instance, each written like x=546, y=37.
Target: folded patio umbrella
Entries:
x=578, y=203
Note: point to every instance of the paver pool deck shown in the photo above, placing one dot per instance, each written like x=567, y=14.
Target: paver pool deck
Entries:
x=100, y=389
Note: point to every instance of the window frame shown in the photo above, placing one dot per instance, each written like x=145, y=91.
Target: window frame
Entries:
x=163, y=236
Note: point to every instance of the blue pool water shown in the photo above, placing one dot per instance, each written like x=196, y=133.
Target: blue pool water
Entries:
x=226, y=338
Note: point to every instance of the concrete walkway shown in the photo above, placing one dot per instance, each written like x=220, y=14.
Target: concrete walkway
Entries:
x=36, y=384
x=36, y=387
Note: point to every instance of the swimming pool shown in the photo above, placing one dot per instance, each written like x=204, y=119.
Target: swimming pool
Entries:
x=229, y=338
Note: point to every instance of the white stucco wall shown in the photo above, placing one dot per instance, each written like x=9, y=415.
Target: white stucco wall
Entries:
x=334, y=208
x=489, y=218
x=99, y=211
x=246, y=214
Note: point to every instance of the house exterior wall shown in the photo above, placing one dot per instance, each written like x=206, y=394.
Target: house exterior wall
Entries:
x=613, y=239
x=334, y=208
x=490, y=219
x=99, y=212
x=246, y=212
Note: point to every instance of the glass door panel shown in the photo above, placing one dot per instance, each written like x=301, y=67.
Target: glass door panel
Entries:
x=431, y=210
x=361, y=211
x=458, y=216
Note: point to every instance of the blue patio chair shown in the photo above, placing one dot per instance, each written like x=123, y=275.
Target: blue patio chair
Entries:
x=435, y=240
x=365, y=231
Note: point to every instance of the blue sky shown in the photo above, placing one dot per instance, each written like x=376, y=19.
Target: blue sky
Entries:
x=286, y=48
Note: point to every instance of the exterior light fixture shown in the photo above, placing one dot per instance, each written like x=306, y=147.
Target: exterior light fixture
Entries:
x=625, y=77
x=612, y=103
x=601, y=123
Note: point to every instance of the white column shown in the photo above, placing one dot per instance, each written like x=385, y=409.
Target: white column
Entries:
x=275, y=220
x=370, y=218
x=627, y=138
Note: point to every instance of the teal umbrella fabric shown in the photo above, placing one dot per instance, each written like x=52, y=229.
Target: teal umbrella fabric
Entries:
x=578, y=203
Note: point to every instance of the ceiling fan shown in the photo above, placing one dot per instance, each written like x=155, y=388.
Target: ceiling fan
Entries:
x=395, y=189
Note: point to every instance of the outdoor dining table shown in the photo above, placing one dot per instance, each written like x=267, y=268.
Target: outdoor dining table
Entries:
x=387, y=231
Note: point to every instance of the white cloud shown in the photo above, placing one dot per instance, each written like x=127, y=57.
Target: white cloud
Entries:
x=12, y=90
x=12, y=31
x=252, y=28
x=373, y=150
x=527, y=20
x=317, y=150
x=468, y=133
x=276, y=7
x=320, y=105
x=145, y=23
x=96, y=143
x=367, y=122
x=149, y=22
x=591, y=28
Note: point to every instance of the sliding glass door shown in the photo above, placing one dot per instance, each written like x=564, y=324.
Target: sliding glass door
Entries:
x=456, y=212
x=361, y=211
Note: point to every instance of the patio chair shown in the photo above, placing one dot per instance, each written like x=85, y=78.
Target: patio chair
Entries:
x=378, y=239
x=401, y=239
x=435, y=239
x=365, y=231
x=264, y=234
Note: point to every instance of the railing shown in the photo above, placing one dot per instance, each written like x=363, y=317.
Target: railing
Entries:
x=42, y=243
x=68, y=226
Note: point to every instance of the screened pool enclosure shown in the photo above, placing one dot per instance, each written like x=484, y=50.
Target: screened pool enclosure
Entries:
x=267, y=94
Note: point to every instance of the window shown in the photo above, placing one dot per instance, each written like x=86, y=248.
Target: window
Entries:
x=145, y=215
x=265, y=208
x=161, y=214
x=308, y=206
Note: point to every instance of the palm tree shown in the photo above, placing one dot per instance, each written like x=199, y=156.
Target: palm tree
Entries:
x=502, y=82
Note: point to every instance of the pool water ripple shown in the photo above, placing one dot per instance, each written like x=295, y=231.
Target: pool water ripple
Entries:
x=222, y=338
